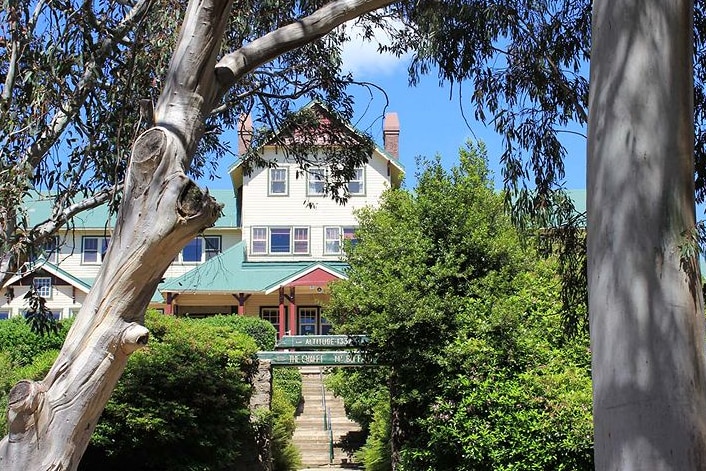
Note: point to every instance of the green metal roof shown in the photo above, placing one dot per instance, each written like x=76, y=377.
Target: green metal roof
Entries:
x=39, y=210
x=230, y=273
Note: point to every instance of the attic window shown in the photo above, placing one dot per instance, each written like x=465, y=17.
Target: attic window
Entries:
x=43, y=286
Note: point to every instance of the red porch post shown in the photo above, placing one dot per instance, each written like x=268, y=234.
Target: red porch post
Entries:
x=169, y=308
x=282, y=318
x=241, y=297
x=292, y=312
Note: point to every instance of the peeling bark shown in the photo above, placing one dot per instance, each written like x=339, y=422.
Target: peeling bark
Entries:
x=51, y=421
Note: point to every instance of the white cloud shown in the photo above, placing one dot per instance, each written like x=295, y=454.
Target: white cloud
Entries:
x=362, y=59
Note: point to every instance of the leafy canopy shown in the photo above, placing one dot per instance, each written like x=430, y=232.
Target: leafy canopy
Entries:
x=465, y=320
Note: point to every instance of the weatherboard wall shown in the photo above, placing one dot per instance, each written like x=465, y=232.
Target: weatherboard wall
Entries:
x=262, y=209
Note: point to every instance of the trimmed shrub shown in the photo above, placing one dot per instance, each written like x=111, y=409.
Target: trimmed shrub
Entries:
x=182, y=403
x=262, y=331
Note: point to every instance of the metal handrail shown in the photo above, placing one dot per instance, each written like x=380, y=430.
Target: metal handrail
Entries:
x=330, y=439
x=327, y=417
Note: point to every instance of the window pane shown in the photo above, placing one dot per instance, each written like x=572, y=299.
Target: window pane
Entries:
x=332, y=240
x=270, y=314
x=50, y=249
x=4, y=315
x=279, y=240
x=43, y=286
x=192, y=251
x=278, y=181
x=349, y=236
x=213, y=246
x=104, y=247
x=259, y=240
x=90, y=249
x=325, y=326
x=356, y=186
x=301, y=240
x=307, y=321
x=317, y=177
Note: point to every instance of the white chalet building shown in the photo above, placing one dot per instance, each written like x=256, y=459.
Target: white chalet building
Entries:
x=269, y=255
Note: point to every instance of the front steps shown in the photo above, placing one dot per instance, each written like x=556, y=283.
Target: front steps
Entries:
x=310, y=437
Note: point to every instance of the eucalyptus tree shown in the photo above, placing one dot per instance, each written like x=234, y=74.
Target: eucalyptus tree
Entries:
x=645, y=295
x=51, y=421
x=75, y=73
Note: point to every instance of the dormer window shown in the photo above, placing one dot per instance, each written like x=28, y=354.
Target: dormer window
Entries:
x=278, y=182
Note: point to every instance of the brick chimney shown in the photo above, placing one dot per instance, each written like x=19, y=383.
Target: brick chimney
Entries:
x=244, y=133
x=391, y=134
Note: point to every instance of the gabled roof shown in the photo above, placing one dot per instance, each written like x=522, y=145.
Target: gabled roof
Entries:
x=43, y=264
x=230, y=273
x=325, y=111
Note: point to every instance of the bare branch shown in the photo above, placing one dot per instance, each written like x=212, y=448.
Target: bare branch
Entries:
x=266, y=48
x=61, y=217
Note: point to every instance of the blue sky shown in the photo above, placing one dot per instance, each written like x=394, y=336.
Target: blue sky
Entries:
x=431, y=120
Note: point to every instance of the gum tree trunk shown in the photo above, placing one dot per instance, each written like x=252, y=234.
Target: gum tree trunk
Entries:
x=51, y=421
x=645, y=301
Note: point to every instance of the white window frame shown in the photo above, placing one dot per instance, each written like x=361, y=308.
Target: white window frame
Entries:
x=262, y=237
x=300, y=246
x=274, y=176
x=204, y=256
x=267, y=313
x=316, y=176
x=360, y=179
x=101, y=248
x=342, y=231
x=332, y=241
x=43, y=286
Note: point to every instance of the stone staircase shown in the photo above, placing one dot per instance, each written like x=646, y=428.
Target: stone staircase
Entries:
x=310, y=437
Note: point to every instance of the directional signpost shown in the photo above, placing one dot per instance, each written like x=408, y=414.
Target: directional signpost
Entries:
x=313, y=358
x=318, y=351
x=322, y=341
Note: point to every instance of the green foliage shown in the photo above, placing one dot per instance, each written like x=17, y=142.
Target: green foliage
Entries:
x=288, y=380
x=361, y=389
x=285, y=456
x=182, y=403
x=22, y=345
x=467, y=322
x=375, y=454
x=263, y=332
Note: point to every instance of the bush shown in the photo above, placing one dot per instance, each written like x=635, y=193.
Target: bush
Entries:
x=289, y=381
x=182, y=403
x=262, y=331
x=285, y=456
x=22, y=345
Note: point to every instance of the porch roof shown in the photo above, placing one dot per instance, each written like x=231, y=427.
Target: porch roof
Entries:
x=229, y=272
